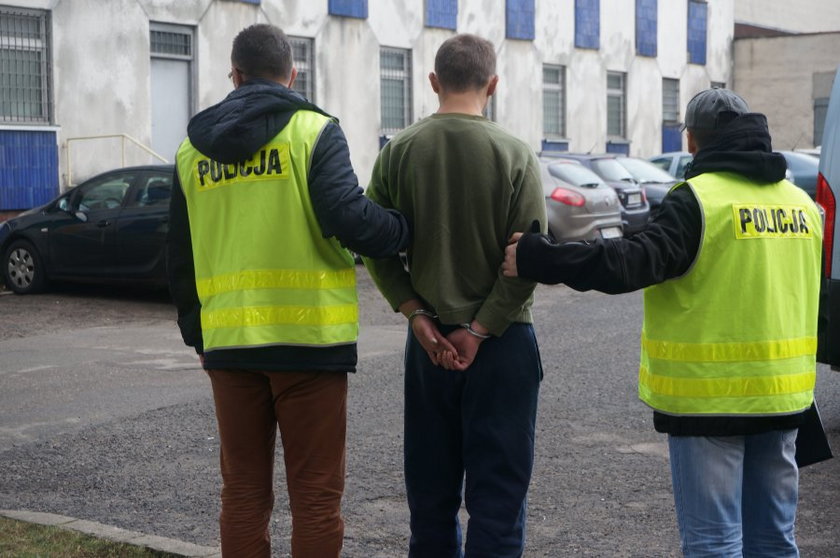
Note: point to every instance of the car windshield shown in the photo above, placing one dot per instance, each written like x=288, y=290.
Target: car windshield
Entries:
x=644, y=171
x=574, y=174
x=610, y=169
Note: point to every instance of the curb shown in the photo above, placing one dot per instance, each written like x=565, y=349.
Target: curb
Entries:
x=116, y=534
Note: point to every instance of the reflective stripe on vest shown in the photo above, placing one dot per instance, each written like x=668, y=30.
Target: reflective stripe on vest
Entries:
x=736, y=335
x=266, y=279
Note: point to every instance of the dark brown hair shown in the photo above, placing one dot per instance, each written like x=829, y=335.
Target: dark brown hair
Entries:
x=262, y=51
x=465, y=62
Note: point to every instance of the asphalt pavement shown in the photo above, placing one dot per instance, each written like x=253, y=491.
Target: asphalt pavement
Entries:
x=107, y=421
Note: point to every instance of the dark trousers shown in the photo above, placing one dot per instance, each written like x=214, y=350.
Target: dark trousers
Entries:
x=471, y=432
x=310, y=409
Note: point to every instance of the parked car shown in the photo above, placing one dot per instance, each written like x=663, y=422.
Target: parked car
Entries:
x=812, y=151
x=828, y=193
x=674, y=162
x=655, y=181
x=803, y=170
x=579, y=205
x=634, y=206
x=111, y=227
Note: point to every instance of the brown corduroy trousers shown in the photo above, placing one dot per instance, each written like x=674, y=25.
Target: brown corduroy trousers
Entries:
x=310, y=409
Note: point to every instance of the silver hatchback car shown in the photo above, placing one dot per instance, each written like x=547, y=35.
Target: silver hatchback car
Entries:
x=579, y=204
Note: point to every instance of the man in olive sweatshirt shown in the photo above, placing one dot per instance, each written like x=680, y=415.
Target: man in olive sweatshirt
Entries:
x=472, y=362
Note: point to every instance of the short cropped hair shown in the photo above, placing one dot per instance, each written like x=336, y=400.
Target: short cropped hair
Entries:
x=465, y=62
x=262, y=51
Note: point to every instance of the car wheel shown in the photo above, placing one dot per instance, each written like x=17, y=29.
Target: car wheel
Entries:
x=23, y=269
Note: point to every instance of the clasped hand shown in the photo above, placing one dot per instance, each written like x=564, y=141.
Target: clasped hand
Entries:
x=455, y=351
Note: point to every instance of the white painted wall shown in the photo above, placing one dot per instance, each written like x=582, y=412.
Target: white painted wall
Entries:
x=101, y=76
x=799, y=16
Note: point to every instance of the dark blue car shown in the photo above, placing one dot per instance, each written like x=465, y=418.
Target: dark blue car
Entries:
x=110, y=228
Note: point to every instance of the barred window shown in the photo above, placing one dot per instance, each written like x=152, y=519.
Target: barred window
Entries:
x=25, y=78
x=302, y=53
x=670, y=101
x=554, y=101
x=395, y=88
x=169, y=42
x=616, y=104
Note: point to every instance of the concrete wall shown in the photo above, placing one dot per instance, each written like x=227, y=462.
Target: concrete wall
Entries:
x=799, y=16
x=781, y=77
x=102, y=75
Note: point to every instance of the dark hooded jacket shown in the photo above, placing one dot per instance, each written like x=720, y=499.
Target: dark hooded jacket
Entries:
x=665, y=250
x=232, y=131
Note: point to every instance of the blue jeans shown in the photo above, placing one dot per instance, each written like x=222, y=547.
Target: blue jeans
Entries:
x=736, y=495
x=471, y=432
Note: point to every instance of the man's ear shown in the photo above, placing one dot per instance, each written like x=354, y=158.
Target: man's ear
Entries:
x=434, y=81
x=491, y=87
x=292, y=76
x=692, y=144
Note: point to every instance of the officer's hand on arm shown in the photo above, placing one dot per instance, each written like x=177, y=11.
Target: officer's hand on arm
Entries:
x=509, y=265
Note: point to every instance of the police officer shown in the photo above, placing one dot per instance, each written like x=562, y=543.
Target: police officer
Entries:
x=264, y=202
x=729, y=336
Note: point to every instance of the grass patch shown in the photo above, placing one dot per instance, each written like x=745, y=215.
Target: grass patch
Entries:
x=26, y=540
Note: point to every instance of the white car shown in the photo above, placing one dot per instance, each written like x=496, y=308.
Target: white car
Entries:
x=673, y=163
x=828, y=193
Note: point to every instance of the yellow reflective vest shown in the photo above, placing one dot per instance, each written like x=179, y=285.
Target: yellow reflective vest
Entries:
x=736, y=335
x=264, y=273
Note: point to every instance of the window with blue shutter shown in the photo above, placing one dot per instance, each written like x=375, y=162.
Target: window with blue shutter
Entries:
x=646, y=27
x=442, y=13
x=697, y=23
x=588, y=23
x=349, y=8
x=30, y=168
x=519, y=19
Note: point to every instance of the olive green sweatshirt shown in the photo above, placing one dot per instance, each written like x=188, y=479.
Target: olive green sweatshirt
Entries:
x=466, y=185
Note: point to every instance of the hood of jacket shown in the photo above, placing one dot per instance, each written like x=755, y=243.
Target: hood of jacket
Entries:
x=742, y=146
x=237, y=127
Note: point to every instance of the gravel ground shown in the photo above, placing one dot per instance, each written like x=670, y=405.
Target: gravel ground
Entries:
x=601, y=484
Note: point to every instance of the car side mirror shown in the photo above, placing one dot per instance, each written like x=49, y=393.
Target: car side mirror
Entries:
x=81, y=216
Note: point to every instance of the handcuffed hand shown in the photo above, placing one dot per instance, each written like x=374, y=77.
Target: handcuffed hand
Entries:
x=436, y=345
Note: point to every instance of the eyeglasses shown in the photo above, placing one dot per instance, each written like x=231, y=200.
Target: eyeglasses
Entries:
x=234, y=71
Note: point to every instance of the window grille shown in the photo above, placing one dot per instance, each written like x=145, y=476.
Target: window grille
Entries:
x=302, y=53
x=25, y=64
x=554, y=101
x=168, y=42
x=616, y=104
x=670, y=101
x=395, y=89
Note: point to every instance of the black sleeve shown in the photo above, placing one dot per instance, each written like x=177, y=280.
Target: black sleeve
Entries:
x=664, y=250
x=180, y=269
x=342, y=209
